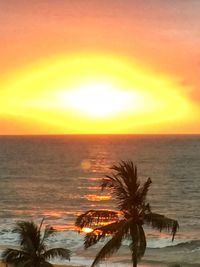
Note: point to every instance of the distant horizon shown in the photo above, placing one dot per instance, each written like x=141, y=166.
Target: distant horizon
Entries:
x=109, y=134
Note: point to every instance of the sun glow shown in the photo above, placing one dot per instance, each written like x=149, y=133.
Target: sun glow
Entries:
x=97, y=198
x=97, y=100
x=86, y=230
x=92, y=94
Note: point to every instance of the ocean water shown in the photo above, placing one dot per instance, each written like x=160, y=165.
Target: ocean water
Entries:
x=58, y=177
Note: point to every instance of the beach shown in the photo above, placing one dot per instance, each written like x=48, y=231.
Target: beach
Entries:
x=3, y=265
x=118, y=265
x=166, y=257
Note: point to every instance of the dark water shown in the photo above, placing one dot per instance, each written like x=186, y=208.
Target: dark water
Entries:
x=58, y=177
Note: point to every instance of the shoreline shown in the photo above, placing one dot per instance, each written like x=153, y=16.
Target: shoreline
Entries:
x=181, y=255
x=55, y=265
x=107, y=265
x=167, y=257
x=112, y=264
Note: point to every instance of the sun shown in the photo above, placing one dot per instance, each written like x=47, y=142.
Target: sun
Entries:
x=92, y=94
x=95, y=99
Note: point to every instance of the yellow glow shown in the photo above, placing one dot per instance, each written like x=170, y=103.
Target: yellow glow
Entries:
x=92, y=94
x=96, y=100
x=97, y=198
x=86, y=230
x=85, y=164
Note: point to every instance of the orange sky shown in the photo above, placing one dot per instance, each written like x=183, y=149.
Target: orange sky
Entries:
x=157, y=41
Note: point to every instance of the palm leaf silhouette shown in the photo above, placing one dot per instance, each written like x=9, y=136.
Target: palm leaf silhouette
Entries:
x=130, y=196
x=33, y=250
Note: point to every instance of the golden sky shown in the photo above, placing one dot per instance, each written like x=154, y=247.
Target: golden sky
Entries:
x=99, y=66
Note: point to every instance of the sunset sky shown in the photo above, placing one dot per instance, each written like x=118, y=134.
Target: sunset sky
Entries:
x=99, y=66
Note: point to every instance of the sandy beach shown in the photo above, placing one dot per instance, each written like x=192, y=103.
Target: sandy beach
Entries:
x=139, y=265
x=166, y=257
x=3, y=265
x=68, y=265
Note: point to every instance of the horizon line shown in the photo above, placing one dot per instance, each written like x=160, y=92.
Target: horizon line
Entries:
x=105, y=134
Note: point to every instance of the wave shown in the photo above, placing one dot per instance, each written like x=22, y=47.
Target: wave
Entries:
x=158, y=253
x=189, y=245
x=74, y=240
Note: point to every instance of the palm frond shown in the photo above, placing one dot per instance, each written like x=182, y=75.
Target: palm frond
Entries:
x=127, y=171
x=93, y=218
x=113, y=182
x=109, y=248
x=13, y=256
x=147, y=208
x=92, y=238
x=124, y=185
x=29, y=234
x=26, y=263
x=119, y=190
x=161, y=222
x=57, y=252
x=48, y=231
x=115, y=242
x=40, y=227
x=143, y=244
x=143, y=190
x=101, y=232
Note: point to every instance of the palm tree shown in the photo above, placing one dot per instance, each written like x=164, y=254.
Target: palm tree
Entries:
x=33, y=250
x=128, y=222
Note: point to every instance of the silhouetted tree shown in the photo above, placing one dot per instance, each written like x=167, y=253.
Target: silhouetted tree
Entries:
x=33, y=250
x=128, y=222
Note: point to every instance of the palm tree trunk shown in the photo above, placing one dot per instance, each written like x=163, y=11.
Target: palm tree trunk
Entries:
x=134, y=236
x=134, y=262
x=134, y=258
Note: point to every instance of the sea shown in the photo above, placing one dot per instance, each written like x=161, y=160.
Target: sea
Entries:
x=58, y=178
